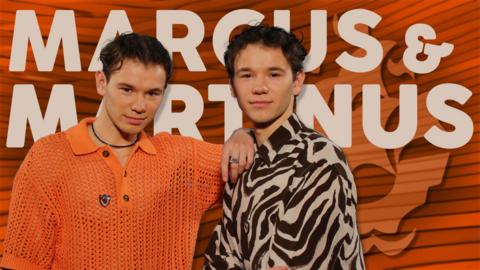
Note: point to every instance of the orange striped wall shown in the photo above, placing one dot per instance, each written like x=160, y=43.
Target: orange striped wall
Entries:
x=419, y=205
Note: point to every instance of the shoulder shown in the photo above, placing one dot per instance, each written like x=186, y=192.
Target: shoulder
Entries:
x=325, y=168
x=164, y=140
x=46, y=159
x=51, y=145
x=317, y=148
x=183, y=142
x=184, y=147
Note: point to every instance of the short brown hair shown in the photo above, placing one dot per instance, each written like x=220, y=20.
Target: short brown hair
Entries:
x=269, y=36
x=146, y=49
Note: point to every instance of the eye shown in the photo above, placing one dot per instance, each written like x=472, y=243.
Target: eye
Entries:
x=154, y=93
x=245, y=75
x=126, y=89
x=275, y=74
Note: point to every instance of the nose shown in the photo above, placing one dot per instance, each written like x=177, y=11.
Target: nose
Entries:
x=139, y=106
x=260, y=86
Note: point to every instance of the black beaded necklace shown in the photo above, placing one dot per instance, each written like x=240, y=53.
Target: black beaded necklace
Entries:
x=113, y=145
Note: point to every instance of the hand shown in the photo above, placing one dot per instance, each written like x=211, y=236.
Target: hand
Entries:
x=237, y=154
x=278, y=268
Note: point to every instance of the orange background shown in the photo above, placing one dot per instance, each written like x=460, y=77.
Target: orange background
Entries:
x=419, y=205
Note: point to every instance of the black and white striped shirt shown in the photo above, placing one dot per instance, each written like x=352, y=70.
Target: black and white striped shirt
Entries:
x=294, y=207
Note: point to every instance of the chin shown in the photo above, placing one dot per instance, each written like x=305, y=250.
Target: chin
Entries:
x=132, y=130
x=261, y=119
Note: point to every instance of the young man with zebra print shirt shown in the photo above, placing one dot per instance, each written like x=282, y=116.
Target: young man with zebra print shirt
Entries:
x=295, y=207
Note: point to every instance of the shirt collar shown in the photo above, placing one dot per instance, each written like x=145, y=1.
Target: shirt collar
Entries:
x=82, y=144
x=282, y=135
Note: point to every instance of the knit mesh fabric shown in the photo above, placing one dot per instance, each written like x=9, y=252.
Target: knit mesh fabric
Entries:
x=57, y=222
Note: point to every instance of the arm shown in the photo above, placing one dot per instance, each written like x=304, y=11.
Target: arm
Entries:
x=30, y=238
x=207, y=180
x=318, y=228
x=212, y=163
x=222, y=251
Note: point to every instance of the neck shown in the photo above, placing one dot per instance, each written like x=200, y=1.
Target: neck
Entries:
x=110, y=133
x=264, y=130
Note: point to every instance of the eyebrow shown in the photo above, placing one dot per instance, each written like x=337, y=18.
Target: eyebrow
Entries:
x=125, y=85
x=276, y=69
x=243, y=70
x=246, y=69
x=130, y=86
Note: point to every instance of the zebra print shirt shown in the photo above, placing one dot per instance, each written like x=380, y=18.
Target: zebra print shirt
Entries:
x=294, y=207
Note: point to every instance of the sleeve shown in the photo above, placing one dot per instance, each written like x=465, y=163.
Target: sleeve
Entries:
x=222, y=250
x=208, y=175
x=318, y=227
x=30, y=238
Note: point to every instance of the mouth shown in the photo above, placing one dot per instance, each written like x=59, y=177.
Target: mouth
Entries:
x=260, y=104
x=135, y=120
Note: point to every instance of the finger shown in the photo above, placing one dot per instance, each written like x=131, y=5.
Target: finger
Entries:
x=242, y=159
x=225, y=157
x=278, y=268
x=250, y=155
x=234, y=166
x=233, y=172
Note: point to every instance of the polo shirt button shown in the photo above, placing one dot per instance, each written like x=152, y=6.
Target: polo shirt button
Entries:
x=126, y=198
x=106, y=153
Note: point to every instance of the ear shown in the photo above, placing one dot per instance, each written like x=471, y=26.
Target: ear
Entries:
x=298, y=82
x=101, y=82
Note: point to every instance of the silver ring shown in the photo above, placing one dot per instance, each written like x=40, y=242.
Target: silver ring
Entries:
x=233, y=160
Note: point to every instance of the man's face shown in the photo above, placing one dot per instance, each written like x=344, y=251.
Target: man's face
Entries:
x=132, y=95
x=264, y=85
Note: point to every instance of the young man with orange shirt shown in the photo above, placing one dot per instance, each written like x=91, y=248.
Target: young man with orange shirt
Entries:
x=103, y=194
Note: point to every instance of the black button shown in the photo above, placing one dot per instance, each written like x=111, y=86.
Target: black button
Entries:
x=126, y=198
x=125, y=174
x=106, y=153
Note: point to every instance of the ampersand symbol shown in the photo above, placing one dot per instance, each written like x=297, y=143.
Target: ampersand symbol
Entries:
x=415, y=46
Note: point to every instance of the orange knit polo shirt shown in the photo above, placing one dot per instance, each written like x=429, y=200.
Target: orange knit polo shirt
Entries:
x=75, y=207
